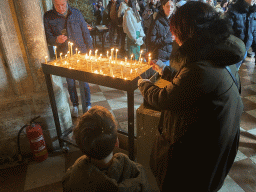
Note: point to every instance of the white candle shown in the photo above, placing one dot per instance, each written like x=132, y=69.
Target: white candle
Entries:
x=107, y=54
x=76, y=50
x=60, y=56
x=55, y=50
x=131, y=56
x=46, y=59
x=149, y=58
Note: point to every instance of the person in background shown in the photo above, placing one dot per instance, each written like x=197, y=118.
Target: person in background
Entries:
x=98, y=13
x=199, y=129
x=65, y=24
x=132, y=26
x=242, y=16
x=99, y=169
x=149, y=14
x=123, y=7
x=112, y=9
x=159, y=38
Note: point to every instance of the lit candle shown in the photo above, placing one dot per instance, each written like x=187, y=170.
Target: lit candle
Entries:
x=69, y=46
x=107, y=54
x=68, y=54
x=60, y=56
x=116, y=55
x=46, y=59
x=71, y=51
x=76, y=50
x=90, y=52
x=112, y=50
x=55, y=50
x=140, y=54
x=149, y=58
x=96, y=53
x=131, y=57
x=125, y=60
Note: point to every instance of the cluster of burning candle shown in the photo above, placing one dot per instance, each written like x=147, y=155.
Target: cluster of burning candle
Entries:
x=127, y=68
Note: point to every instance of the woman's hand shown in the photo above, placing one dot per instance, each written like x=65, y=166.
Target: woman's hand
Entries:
x=158, y=66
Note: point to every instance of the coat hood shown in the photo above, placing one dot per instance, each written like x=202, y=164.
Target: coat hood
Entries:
x=227, y=52
x=122, y=175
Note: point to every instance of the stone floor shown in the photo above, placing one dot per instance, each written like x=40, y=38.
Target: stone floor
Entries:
x=46, y=176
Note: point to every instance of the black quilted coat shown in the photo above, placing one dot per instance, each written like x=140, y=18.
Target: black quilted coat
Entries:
x=199, y=128
x=159, y=38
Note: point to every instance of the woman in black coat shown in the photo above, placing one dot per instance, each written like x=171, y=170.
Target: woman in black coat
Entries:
x=159, y=38
x=199, y=128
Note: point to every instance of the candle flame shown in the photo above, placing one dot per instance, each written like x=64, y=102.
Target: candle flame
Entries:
x=78, y=52
x=96, y=72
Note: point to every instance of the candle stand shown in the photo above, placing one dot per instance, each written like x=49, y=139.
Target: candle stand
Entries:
x=128, y=85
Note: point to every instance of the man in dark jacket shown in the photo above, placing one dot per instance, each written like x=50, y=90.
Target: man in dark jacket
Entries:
x=112, y=9
x=65, y=24
x=199, y=128
x=159, y=38
x=242, y=15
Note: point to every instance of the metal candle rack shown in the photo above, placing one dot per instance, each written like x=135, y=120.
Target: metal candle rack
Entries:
x=82, y=75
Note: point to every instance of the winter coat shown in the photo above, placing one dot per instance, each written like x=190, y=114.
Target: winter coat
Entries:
x=122, y=175
x=109, y=7
x=243, y=20
x=122, y=8
x=131, y=25
x=198, y=133
x=159, y=38
x=75, y=25
x=148, y=16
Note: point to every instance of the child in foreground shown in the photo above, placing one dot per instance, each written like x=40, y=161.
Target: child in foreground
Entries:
x=99, y=169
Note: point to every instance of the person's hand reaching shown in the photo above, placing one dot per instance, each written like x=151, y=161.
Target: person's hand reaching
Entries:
x=158, y=66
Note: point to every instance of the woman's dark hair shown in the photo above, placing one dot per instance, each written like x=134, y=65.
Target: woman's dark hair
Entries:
x=223, y=2
x=201, y=21
x=132, y=4
x=96, y=133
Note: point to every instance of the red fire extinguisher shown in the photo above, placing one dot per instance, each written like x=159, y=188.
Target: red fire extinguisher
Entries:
x=36, y=139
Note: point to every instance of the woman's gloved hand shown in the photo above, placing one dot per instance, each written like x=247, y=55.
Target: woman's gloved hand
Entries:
x=142, y=80
x=158, y=66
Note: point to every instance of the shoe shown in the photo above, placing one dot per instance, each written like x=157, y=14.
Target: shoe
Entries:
x=88, y=107
x=74, y=112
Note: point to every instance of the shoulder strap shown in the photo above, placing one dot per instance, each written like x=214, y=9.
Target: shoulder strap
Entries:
x=233, y=77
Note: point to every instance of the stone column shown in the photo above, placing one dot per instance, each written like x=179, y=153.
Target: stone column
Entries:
x=23, y=93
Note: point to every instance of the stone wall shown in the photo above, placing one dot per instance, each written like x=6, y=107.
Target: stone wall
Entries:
x=23, y=93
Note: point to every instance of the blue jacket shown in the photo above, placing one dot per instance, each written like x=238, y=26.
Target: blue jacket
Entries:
x=77, y=30
x=159, y=37
x=243, y=20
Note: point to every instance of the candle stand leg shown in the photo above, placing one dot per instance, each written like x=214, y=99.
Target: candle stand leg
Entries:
x=54, y=108
x=130, y=98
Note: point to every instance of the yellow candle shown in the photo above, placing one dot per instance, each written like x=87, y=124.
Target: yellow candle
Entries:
x=68, y=54
x=71, y=51
x=116, y=55
x=90, y=52
x=122, y=75
x=46, y=59
x=149, y=58
x=107, y=54
x=69, y=46
x=112, y=50
x=96, y=53
x=140, y=54
x=131, y=57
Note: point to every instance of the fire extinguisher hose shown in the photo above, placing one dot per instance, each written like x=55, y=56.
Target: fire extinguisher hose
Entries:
x=18, y=143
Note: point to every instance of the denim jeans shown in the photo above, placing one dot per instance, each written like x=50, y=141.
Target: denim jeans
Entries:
x=73, y=94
